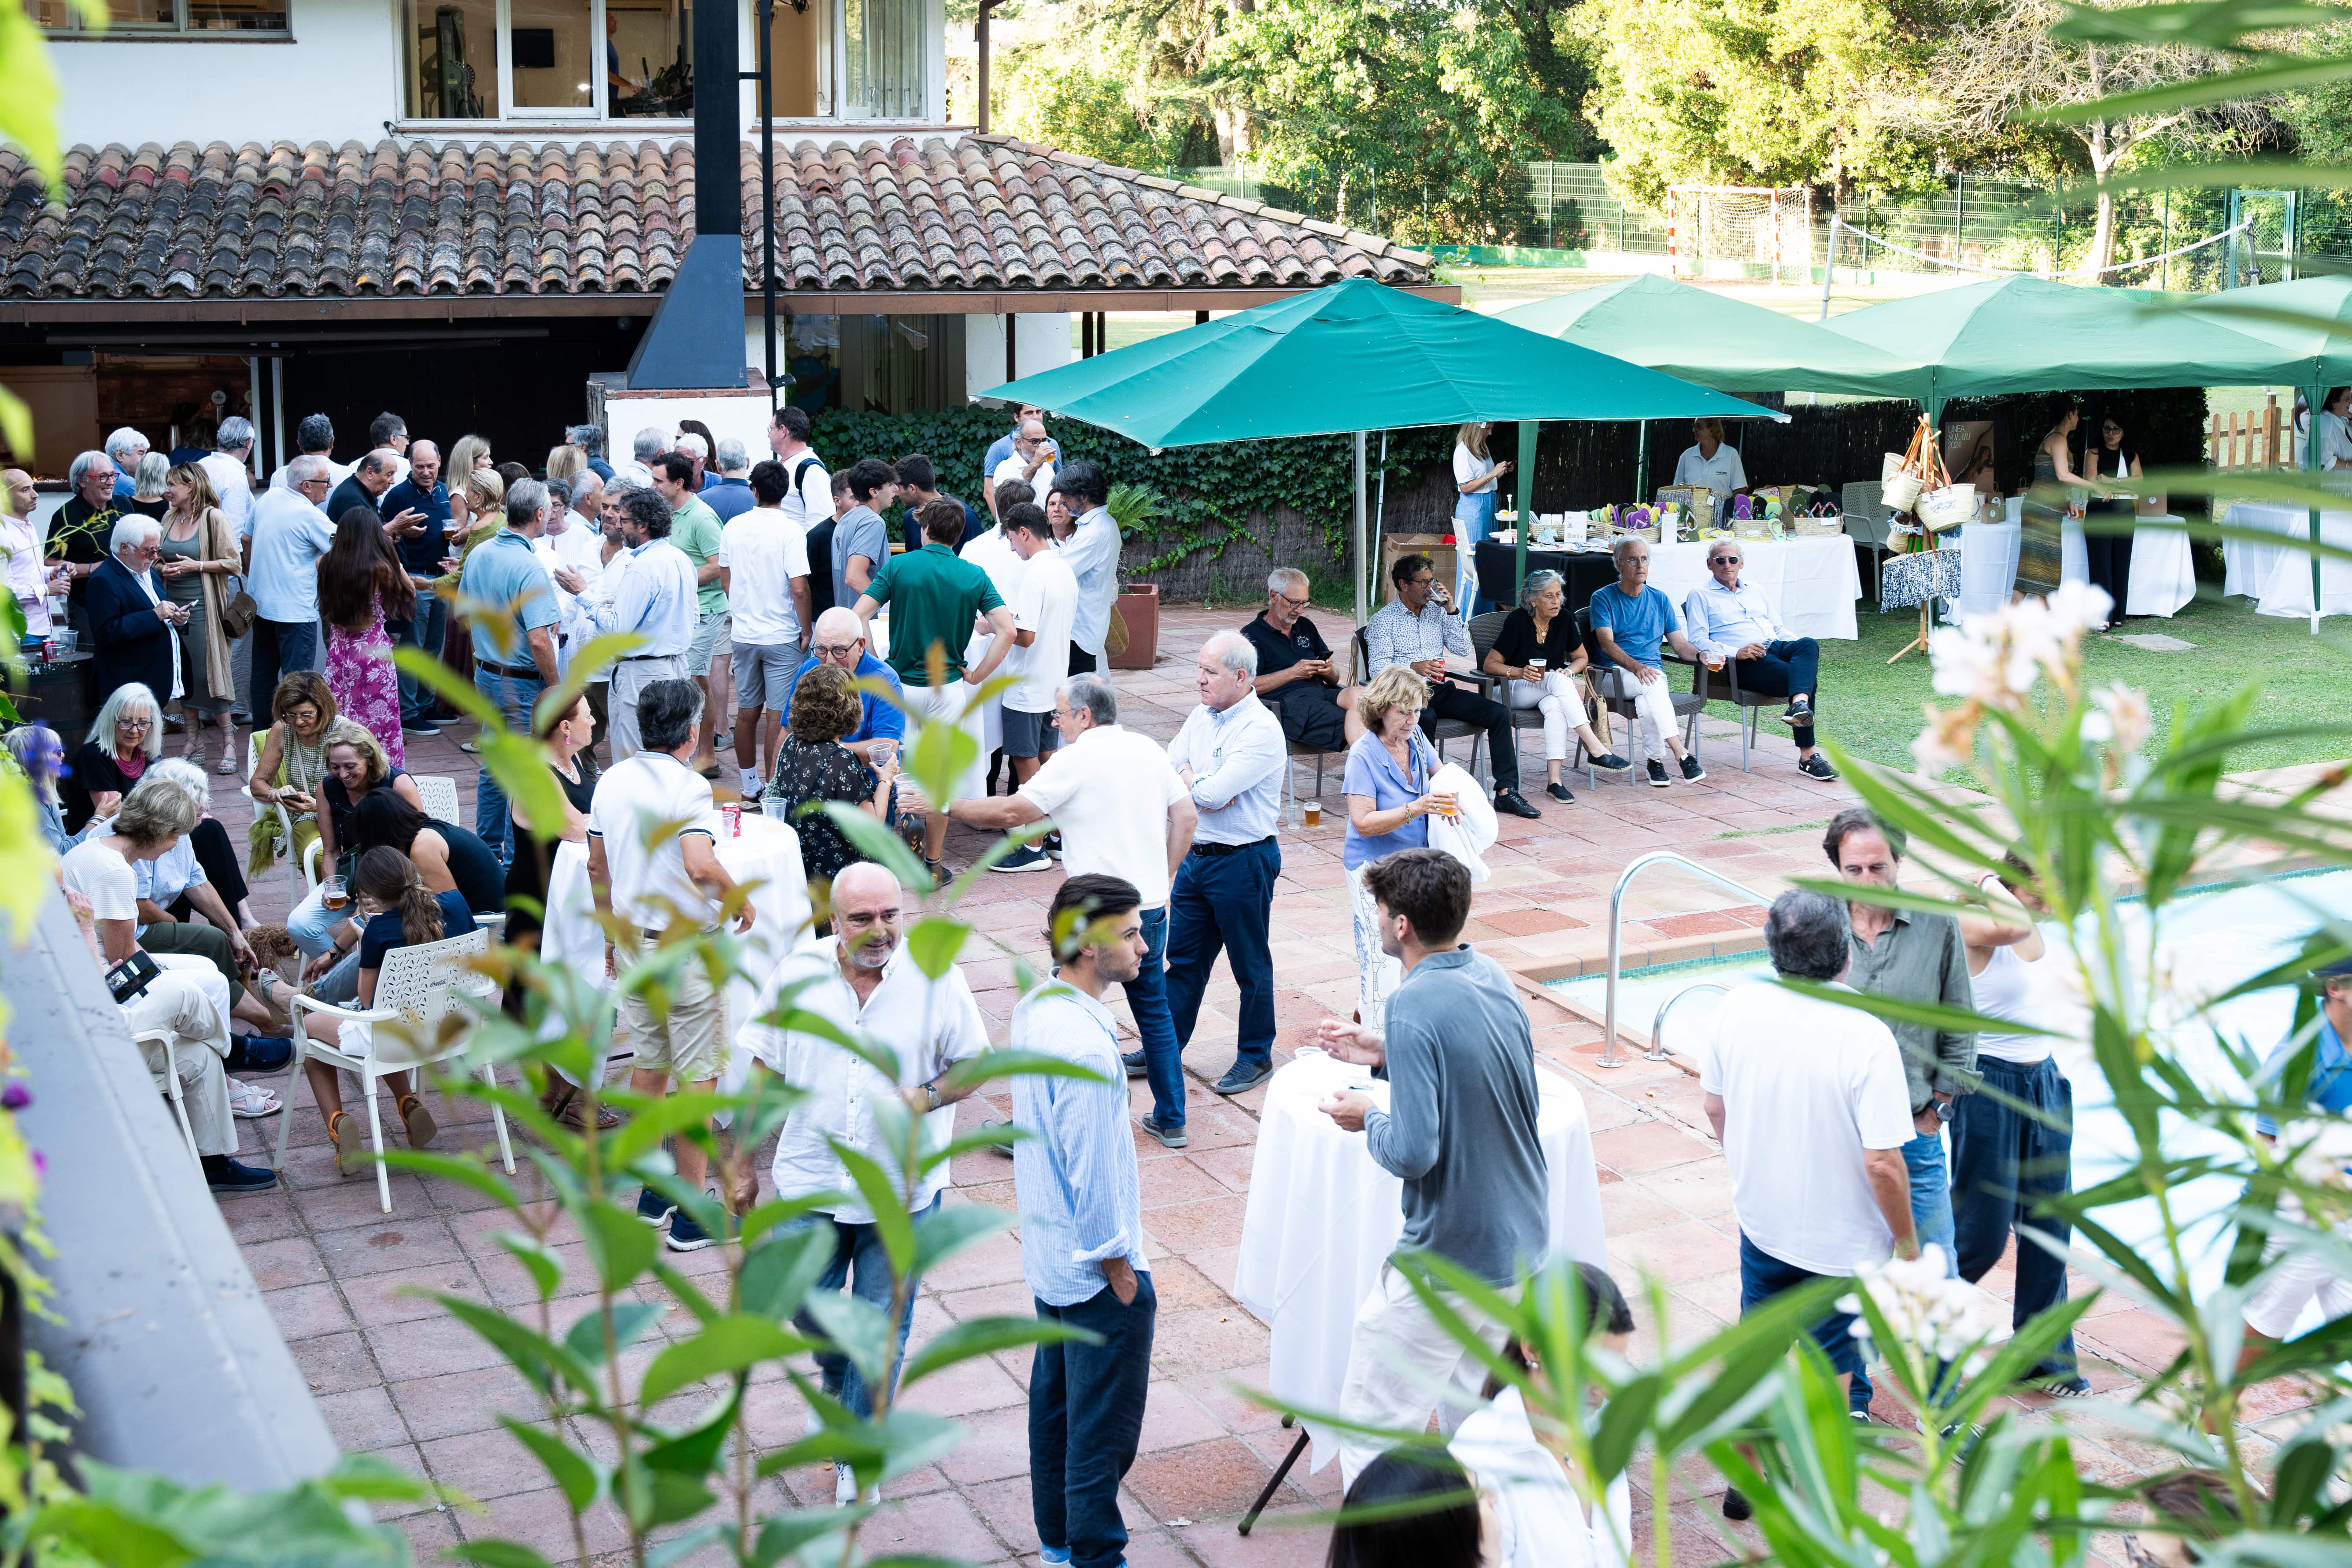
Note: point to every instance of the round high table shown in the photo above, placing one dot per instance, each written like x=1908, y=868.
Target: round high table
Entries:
x=766, y=858
x=2278, y=577
x=1322, y=1218
x=2163, y=574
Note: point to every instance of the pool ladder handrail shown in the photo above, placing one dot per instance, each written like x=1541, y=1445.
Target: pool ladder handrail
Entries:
x=1609, y=1057
x=1657, y=1051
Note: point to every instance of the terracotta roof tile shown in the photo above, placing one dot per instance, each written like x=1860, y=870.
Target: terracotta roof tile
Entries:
x=983, y=213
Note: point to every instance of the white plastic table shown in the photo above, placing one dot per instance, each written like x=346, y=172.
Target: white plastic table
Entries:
x=2163, y=574
x=1323, y=1216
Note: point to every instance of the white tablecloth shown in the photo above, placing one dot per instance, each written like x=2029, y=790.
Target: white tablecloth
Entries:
x=2163, y=577
x=1322, y=1217
x=2279, y=579
x=767, y=859
x=1812, y=585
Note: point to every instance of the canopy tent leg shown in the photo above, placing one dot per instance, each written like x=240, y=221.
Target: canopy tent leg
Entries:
x=1361, y=615
x=1642, y=464
x=1527, y=500
x=2315, y=398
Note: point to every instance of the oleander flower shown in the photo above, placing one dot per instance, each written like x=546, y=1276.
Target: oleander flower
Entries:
x=1942, y=1317
x=2123, y=715
x=15, y=1096
x=1950, y=740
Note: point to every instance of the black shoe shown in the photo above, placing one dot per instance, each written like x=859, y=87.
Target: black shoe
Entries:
x=1816, y=767
x=1799, y=712
x=940, y=875
x=1657, y=772
x=1692, y=772
x=1051, y=844
x=2076, y=1387
x=1736, y=1506
x=1243, y=1076
x=259, y=1054
x=653, y=1208
x=1611, y=763
x=1133, y=1062
x=1171, y=1137
x=419, y=727
x=685, y=1235
x=1558, y=792
x=1509, y=802
x=1028, y=857
x=231, y=1180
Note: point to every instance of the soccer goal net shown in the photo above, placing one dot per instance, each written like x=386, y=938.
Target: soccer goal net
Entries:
x=1740, y=231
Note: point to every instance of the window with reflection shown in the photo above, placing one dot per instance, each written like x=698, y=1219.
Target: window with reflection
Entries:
x=452, y=65
x=554, y=62
x=886, y=43
x=648, y=59
x=148, y=17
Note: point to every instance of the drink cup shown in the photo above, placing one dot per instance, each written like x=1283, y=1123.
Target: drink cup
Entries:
x=1449, y=807
x=885, y=751
x=334, y=894
x=1314, y=810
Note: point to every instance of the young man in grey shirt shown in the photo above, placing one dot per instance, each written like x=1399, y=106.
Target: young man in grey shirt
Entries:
x=861, y=539
x=1460, y=1131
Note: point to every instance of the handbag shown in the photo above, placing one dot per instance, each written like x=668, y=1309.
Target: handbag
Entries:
x=239, y=612
x=1941, y=504
x=1900, y=481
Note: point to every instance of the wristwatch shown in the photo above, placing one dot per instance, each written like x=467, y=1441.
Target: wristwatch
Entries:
x=1943, y=1108
x=932, y=1095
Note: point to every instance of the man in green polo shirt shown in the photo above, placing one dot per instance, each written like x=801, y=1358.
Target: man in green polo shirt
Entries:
x=696, y=529
x=937, y=600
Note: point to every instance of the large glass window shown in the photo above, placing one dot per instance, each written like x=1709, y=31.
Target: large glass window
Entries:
x=452, y=59
x=148, y=17
x=554, y=68
x=888, y=57
x=648, y=59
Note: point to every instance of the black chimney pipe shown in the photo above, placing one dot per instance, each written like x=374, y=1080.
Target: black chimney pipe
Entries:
x=695, y=338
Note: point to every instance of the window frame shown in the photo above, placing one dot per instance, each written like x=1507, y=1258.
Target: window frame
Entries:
x=178, y=31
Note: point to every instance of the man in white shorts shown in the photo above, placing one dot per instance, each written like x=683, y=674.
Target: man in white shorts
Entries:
x=2305, y=1274
x=764, y=566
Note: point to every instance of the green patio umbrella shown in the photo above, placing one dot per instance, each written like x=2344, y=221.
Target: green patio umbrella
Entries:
x=1718, y=340
x=1357, y=356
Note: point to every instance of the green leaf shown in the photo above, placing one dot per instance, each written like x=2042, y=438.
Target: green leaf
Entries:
x=620, y=1245
x=778, y=1274
x=882, y=1198
x=933, y=943
x=990, y=1065
x=904, y=1440
x=630, y=1321
x=109, y=1536
x=466, y=1170
x=950, y=1228
x=677, y=1496
x=449, y=686
x=686, y=1545
x=545, y=1267
x=580, y=1478
x=986, y=1336
x=28, y=118
x=729, y=1346
x=783, y=1534
x=694, y=1451
x=857, y=1328
x=530, y=1354
x=2285, y=74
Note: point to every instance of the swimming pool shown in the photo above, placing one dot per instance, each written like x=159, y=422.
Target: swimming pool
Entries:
x=2207, y=942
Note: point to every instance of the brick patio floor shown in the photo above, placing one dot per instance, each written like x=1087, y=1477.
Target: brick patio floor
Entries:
x=397, y=1378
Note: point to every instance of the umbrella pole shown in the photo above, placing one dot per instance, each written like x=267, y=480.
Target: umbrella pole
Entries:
x=1527, y=500
x=2312, y=398
x=1360, y=535
x=1642, y=464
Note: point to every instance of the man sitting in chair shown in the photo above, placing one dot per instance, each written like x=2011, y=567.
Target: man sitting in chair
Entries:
x=1296, y=677
x=1632, y=624
x=1729, y=618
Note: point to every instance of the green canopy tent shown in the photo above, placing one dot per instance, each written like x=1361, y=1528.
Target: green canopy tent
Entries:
x=2310, y=317
x=1353, y=357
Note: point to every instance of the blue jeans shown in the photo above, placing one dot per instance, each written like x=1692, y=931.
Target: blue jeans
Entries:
x=424, y=632
x=1086, y=1416
x=514, y=695
x=1146, y=998
x=1473, y=518
x=1786, y=668
x=1222, y=903
x=2003, y=1162
x=1931, y=1217
x=859, y=1258
x=1763, y=1276
x=279, y=648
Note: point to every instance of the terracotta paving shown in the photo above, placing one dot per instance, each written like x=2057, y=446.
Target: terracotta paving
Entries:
x=395, y=1377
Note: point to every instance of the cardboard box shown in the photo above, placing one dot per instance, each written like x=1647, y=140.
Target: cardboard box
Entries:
x=1445, y=556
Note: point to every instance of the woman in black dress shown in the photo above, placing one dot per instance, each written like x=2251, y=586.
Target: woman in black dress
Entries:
x=127, y=735
x=813, y=767
x=2108, y=556
x=449, y=857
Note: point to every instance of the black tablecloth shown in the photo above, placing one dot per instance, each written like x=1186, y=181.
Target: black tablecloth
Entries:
x=1583, y=570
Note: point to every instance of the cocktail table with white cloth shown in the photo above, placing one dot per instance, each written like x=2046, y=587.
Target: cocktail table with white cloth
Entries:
x=766, y=858
x=1323, y=1216
x=2163, y=574
x=2278, y=577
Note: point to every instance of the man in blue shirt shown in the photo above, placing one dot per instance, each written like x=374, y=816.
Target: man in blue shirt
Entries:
x=2295, y=1274
x=1632, y=623
x=514, y=659
x=727, y=490
x=1002, y=448
x=420, y=556
x=839, y=639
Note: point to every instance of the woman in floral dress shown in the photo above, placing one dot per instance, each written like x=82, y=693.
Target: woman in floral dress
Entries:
x=361, y=586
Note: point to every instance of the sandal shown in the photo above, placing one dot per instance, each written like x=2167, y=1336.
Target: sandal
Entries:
x=226, y=766
x=247, y=1100
x=564, y=1107
x=351, y=1154
x=422, y=1129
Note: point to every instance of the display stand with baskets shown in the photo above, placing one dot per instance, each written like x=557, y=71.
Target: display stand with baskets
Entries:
x=1917, y=482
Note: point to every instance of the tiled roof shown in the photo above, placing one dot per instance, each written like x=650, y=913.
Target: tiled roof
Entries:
x=415, y=218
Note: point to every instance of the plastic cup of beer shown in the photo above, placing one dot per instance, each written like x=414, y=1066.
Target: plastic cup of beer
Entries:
x=885, y=751
x=1314, y=810
x=1449, y=807
x=334, y=893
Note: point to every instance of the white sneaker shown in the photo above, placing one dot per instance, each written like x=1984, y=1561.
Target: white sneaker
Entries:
x=844, y=1485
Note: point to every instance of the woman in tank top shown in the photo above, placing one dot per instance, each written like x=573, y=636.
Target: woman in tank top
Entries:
x=2005, y=1159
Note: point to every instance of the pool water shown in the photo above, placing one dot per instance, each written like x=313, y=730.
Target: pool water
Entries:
x=2207, y=943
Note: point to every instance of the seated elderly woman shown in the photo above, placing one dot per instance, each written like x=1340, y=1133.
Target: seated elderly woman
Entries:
x=1539, y=654
x=101, y=874
x=134, y=626
x=40, y=756
x=125, y=741
x=813, y=767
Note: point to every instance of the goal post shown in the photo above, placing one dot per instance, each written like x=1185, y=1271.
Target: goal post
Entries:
x=1740, y=231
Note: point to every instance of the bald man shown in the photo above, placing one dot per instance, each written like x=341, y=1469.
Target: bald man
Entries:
x=839, y=640
x=22, y=567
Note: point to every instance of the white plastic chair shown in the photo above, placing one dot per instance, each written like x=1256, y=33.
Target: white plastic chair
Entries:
x=303, y=869
x=439, y=793
x=419, y=987
x=167, y=1083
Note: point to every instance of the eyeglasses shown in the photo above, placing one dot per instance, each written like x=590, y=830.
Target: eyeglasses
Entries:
x=134, y=725
x=1423, y=581
x=1296, y=604
x=1723, y=560
x=835, y=650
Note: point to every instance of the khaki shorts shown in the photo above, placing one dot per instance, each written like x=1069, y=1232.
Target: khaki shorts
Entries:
x=690, y=1043
x=711, y=641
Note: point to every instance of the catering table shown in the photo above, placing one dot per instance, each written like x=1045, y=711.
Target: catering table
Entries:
x=2163, y=576
x=2278, y=577
x=766, y=858
x=1323, y=1216
x=1810, y=584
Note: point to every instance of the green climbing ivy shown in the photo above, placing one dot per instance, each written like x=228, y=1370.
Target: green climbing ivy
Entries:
x=1210, y=491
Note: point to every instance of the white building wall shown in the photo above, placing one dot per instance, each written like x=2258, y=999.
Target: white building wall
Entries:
x=1041, y=341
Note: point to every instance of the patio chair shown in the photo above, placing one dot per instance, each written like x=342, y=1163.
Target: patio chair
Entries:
x=418, y=988
x=1688, y=705
x=303, y=868
x=167, y=1084
x=1751, y=704
x=1867, y=523
x=438, y=792
x=1444, y=730
x=1484, y=630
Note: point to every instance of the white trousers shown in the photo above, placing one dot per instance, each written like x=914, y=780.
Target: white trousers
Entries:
x=630, y=676
x=1377, y=975
x=953, y=703
x=1653, y=711
x=1402, y=1364
x=177, y=1000
x=2295, y=1282
x=1563, y=709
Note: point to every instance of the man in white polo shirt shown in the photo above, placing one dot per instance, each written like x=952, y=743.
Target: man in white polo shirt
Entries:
x=653, y=597
x=763, y=565
x=862, y=982
x=674, y=877
x=1123, y=811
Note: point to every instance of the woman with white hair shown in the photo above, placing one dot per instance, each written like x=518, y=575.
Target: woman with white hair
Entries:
x=147, y=486
x=126, y=740
x=134, y=626
x=1538, y=657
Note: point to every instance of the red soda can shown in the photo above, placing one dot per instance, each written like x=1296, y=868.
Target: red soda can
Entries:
x=733, y=812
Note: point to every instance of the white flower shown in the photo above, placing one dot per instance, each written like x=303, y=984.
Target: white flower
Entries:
x=1950, y=740
x=2124, y=717
x=1942, y=1317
